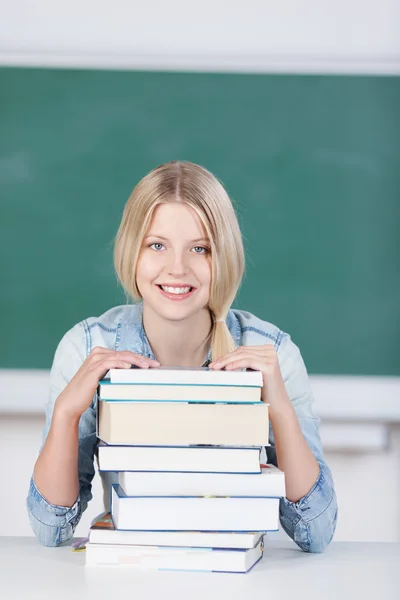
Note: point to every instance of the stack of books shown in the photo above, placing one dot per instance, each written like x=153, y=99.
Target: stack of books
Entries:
x=191, y=492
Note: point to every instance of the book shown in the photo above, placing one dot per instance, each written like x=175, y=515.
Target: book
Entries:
x=186, y=376
x=173, y=558
x=150, y=392
x=201, y=459
x=173, y=513
x=180, y=424
x=271, y=482
x=102, y=531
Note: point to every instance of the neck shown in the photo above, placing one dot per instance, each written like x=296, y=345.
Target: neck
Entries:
x=178, y=343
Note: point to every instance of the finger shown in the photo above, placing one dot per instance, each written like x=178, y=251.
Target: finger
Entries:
x=126, y=356
x=245, y=363
x=221, y=363
x=117, y=363
x=99, y=350
x=229, y=354
x=264, y=350
x=114, y=364
x=100, y=369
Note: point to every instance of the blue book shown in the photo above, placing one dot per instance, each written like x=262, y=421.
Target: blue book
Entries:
x=203, y=376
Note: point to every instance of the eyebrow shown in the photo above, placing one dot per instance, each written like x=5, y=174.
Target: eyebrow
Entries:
x=160, y=237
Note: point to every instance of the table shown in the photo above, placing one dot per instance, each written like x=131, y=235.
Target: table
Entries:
x=367, y=571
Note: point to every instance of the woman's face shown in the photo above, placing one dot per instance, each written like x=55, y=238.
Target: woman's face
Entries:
x=176, y=256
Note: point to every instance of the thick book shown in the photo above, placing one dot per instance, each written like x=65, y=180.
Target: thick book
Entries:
x=103, y=531
x=201, y=459
x=173, y=513
x=186, y=376
x=169, y=392
x=271, y=482
x=181, y=424
x=218, y=560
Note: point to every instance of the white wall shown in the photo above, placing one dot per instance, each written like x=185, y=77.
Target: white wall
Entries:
x=306, y=35
x=20, y=439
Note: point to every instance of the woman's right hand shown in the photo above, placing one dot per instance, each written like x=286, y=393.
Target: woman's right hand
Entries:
x=78, y=394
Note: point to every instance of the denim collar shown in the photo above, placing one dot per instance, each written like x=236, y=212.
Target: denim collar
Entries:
x=132, y=336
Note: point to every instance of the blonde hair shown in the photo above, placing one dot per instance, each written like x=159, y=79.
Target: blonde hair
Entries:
x=195, y=186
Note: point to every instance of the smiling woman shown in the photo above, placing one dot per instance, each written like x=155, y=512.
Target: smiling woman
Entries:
x=179, y=255
x=174, y=279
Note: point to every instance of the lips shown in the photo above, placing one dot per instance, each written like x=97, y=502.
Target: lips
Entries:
x=175, y=285
x=171, y=296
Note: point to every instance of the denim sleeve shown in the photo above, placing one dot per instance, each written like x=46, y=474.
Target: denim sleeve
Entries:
x=311, y=521
x=54, y=524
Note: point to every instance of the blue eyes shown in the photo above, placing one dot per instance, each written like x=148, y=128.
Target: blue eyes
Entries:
x=155, y=244
x=194, y=248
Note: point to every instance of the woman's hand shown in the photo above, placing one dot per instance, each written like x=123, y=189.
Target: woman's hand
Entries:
x=294, y=456
x=78, y=394
x=259, y=358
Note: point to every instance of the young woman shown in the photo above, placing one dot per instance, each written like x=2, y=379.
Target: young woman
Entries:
x=179, y=256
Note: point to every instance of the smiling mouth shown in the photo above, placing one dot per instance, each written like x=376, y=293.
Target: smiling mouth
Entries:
x=175, y=295
x=179, y=291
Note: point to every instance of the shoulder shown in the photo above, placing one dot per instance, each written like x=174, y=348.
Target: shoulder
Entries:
x=104, y=330
x=112, y=318
x=256, y=331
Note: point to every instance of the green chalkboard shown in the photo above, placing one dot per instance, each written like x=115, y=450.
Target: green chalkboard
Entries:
x=312, y=162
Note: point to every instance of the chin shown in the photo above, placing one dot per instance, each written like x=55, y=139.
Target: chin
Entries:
x=176, y=313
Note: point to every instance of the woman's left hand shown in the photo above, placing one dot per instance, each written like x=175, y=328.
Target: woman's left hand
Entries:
x=260, y=358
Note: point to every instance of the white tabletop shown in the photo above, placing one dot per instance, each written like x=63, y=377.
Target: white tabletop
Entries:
x=345, y=570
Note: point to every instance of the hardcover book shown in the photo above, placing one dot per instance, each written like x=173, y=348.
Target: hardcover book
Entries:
x=199, y=459
x=173, y=513
x=181, y=424
x=186, y=376
x=172, y=558
x=271, y=482
x=103, y=531
x=151, y=392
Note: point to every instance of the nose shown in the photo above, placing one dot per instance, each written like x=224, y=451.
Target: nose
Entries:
x=178, y=264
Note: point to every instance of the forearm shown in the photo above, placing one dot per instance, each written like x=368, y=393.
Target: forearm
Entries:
x=294, y=456
x=56, y=469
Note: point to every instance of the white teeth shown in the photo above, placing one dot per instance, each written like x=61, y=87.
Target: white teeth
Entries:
x=173, y=290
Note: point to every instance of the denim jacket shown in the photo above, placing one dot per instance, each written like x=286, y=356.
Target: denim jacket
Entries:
x=310, y=522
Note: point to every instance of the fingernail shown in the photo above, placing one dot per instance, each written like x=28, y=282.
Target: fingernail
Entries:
x=217, y=365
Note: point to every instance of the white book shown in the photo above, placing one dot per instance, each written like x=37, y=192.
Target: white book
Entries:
x=217, y=459
x=270, y=482
x=172, y=558
x=103, y=531
x=150, y=392
x=171, y=513
x=186, y=376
